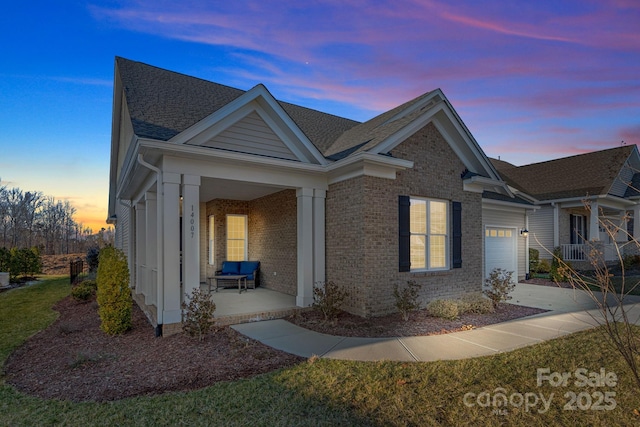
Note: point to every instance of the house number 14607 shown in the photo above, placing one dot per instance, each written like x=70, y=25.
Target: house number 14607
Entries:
x=192, y=222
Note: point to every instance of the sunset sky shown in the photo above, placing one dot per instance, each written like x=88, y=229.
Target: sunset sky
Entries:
x=531, y=80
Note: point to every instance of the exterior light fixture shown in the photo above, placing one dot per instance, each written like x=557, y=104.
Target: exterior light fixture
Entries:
x=524, y=232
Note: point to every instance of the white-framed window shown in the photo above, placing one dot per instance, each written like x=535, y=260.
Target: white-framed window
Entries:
x=212, y=240
x=429, y=227
x=236, y=237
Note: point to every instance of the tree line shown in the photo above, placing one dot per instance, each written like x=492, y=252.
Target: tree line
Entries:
x=30, y=219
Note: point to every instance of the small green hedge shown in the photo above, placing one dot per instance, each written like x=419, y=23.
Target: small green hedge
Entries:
x=114, y=296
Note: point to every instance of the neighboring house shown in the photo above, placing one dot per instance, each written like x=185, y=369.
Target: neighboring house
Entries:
x=568, y=190
x=202, y=173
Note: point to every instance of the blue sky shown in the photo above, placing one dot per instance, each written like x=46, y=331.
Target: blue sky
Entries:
x=532, y=80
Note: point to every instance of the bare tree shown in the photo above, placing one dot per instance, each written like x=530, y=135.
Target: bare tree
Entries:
x=612, y=299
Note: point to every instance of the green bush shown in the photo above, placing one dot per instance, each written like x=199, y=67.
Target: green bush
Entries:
x=20, y=262
x=84, y=290
x=198, y=314
x=114, y=296
x=558, y=266
x=544, y=267
x=534, y=260
x=5, y=260
x=328, y=298
x=475, y=303
x=498, y=286
x=407, y=298
x=443, y=308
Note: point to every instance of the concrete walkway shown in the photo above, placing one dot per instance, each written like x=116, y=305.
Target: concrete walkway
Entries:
x=571, y=311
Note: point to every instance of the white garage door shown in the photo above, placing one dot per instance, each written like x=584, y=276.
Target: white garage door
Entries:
x=500, y=250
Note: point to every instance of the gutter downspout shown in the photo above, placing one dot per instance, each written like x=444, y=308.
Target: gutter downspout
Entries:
x=160, y=243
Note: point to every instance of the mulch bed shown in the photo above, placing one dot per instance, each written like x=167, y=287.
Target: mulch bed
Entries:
x=74, y=360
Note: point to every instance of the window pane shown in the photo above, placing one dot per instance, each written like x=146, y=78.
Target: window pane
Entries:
x=437, y=252
x=212, y=249
x=235, y=227
x=235, y=250
x=438, y=217
x=418, y=215
x=418, y=252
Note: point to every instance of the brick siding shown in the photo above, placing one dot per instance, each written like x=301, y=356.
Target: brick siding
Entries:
x=362, y=228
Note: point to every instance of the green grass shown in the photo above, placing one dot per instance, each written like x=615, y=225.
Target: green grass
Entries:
x=329, y=392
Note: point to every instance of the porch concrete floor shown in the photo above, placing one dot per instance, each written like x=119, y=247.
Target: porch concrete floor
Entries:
x=251, y=305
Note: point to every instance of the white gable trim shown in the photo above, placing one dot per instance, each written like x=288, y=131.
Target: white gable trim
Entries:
x=258, y=100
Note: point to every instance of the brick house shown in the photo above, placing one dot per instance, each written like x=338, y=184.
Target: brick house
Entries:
x=202, y=173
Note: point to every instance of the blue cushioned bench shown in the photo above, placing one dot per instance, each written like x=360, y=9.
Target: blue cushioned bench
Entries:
x=251, y=269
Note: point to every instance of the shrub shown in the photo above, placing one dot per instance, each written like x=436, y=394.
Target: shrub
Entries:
x=328, y=298
x=197, y=318
x=534, y=259
x=407, y=298
x=114, y=295
x=92, y=258
x=475, y=303
x=558, y=266
x=499, y=285
x=444, y=308
x=543, y=267
x=5, y=260
x=84, y=290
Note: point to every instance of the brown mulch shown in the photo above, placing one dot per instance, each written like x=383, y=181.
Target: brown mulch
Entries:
x=74, y=360
x=547, y=282
x=419, y=323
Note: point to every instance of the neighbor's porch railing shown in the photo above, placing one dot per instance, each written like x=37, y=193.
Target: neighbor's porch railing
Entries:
x=581, y=252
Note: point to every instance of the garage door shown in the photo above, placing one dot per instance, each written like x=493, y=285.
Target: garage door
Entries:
x=500, y=249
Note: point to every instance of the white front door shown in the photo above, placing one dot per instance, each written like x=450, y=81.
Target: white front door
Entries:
x=500, y=250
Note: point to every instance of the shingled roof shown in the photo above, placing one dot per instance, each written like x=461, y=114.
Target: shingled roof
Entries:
x=164, y=103
x=568, y=177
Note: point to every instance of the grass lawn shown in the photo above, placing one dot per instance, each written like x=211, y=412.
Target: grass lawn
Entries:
x=328, y=392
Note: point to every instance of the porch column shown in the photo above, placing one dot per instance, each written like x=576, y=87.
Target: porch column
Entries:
x=190, y=233
x=594, y=226
x=556, y=225
x=319, y=197
x=636, y=221
x=151, y=232
x=140, y=245
x=172, y=313
x=305, y=245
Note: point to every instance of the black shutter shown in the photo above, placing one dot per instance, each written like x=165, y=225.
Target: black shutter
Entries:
x=456, y=231
x=404, y=238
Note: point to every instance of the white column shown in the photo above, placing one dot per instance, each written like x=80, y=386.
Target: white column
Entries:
x=319, y=197
x=172, y=312
x=305, y=247
x=190, y=233
x=140, y=244
x=150, y=297
x=594, y=228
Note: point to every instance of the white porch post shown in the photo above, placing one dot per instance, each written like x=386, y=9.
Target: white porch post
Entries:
x=319, y=197
x=594, y=228
x=172, y=313
x=141, y=244
x=150, y=297
x=190, y=233
x=636, y=221
x=305, y=245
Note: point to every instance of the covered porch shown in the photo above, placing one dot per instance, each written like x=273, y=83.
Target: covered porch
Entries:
x=179, y=233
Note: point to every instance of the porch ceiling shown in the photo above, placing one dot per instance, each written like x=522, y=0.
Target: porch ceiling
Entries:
x=213, y=188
